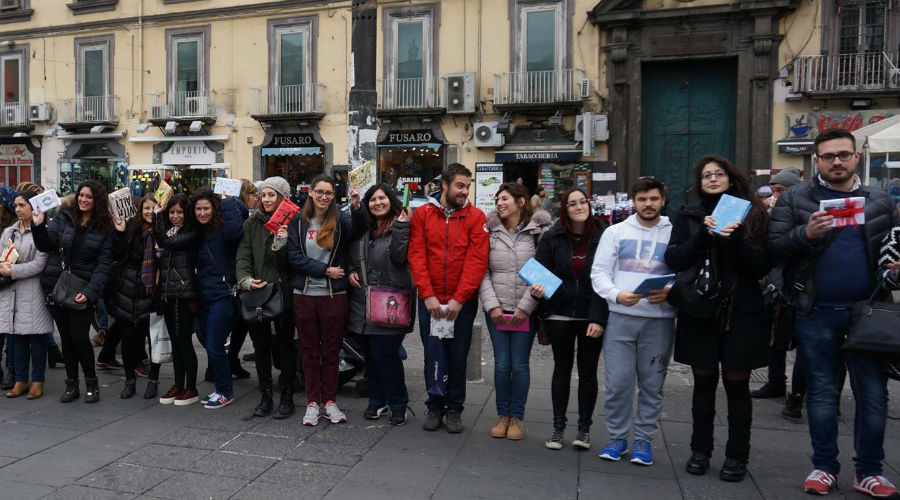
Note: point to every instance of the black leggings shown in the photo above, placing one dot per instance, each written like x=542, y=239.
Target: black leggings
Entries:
x=134, y=336
x=180, y=317
x=563, y=337
x=279, y=346
x=740, y=412
x=239, y=330
x=74, y=332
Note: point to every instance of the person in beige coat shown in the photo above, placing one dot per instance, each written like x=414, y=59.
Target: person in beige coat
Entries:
x=514, y=232
x=23, y=315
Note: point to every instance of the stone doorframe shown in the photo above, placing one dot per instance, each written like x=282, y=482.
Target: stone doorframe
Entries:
x=746, y=30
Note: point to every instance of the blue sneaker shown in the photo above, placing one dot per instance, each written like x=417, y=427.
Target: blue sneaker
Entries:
x=642, y=452
x=220, y=401
x=614, y=450
x=212, y=395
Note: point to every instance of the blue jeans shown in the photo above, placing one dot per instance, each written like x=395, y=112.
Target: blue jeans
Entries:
x=512, y=373
x=384, y=370
x=34, y=346
x=819, y=337
x=457, y=350
x=215, y=323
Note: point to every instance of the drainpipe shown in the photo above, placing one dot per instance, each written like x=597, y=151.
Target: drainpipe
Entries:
x=363, y=128
x=141, y=57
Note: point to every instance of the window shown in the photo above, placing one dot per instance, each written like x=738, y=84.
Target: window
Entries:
x=93, y=83
x=862, y=26
x=11, y=75
x=188, y=78
x=409, y=65
x=292, y=68
x=542, y=37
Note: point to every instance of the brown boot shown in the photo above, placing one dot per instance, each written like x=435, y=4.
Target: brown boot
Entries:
x=516, y=430
x=17, y=390
x=499, y=430
x=37, y=390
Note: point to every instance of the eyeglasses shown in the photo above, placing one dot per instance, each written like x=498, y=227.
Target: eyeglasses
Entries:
x=829, y=157
x=323, y=194
x=573, y=204
x=719, y=174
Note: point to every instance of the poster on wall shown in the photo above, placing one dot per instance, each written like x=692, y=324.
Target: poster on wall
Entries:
x=488, y=177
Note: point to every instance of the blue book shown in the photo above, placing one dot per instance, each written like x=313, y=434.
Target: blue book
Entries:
x=729, y=209
x=653, y=283
x=534, y=273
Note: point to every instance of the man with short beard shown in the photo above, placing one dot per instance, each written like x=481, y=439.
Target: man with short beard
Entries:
x=448, y=256
x=826, y=271
x=637, y=343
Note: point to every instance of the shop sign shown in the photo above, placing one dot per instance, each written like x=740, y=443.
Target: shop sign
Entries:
x=488, y=178
x=291, y=141
x=189, y=153
x=409, y=137
x=537, y=156
x=809, y=124
x=15, y=154
x=797, y=148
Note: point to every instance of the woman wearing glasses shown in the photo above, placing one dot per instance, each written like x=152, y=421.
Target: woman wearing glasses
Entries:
x=736, y=336
x=575, y=313
x=318, y=240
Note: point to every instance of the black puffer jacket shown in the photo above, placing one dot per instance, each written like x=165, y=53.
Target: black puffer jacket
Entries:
x=575, y=297
x=177, y=262
x=127, y=298
x=348, y=228
x=88, y=257
x=789, y=245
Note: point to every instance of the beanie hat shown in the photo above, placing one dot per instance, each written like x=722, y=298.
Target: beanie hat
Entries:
x=8, y=198
x=787, y=177
x=278, y=184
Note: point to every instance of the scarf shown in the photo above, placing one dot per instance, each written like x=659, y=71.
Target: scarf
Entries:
x=148, y=262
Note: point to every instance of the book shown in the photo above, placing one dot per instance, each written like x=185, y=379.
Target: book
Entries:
x=228, y=187
x=846, y=211
x=122, y=205
x=44, y=202
x=524, y=326
x=163, y=193
x=653, y=283
x=362, y=177
x=10, y=254
x=730, y=209
x=533, y=272
x=283, y=215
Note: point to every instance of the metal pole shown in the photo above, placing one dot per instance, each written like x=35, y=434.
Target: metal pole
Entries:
x=363, y=98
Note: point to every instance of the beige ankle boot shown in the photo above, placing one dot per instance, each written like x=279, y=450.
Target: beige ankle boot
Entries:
x=516, y=430
x=499, y=430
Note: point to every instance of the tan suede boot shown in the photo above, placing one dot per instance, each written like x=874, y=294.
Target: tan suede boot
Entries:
x=499, y=430
x=516, y=430
x=37, y=390
x=17, y=390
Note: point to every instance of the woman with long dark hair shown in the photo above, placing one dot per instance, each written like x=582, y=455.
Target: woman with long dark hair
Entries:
x=318, y=239
x=381, y=253
x=79, y=240
x=736, y=335
x=221, y=223
x=177, y=236
x=574, y=315
x=130, y=293
x=515, y=228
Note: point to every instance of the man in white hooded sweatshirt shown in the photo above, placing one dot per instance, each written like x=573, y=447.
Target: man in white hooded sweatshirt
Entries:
x=637, y=343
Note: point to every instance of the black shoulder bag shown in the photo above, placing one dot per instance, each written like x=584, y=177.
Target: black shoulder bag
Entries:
x=264, y=304
x=68, y=285
x=874, y=328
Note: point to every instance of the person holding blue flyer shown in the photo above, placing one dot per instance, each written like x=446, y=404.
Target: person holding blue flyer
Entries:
x=721, y=317
x=637, y=343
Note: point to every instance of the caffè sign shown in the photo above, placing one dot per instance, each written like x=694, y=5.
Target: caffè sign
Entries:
x=189, y=153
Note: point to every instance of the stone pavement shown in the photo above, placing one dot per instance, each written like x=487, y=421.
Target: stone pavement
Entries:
x=138, y=449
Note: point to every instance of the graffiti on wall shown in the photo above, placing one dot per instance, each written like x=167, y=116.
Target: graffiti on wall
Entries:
x=812, y=123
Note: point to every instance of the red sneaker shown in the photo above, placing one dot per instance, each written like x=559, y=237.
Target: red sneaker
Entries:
x=820, y=482
x=187, y=397
x=170, y=395
x=875, y=486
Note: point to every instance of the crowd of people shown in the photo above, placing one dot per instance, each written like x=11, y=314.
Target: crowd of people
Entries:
x=376, y=267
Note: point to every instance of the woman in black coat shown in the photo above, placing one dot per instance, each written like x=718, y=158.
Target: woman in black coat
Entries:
x=79, y=240
x=737, y=336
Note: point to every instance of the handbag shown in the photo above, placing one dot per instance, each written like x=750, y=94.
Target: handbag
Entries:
x=874, y=328
x=697, y=290
x=543, y=335
x=160, y=343
x=385, y=306
x=67, y=286
x=435, y=366
x=264, y=304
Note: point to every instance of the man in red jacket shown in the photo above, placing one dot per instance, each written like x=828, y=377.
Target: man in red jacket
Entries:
x=448, y=256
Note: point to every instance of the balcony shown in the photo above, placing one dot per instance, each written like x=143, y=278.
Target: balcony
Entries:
x=83, y=112
x=287, y=102
x=14, y=116
x=561, y=89
x=411, y=96
x=183, y=107
x=870, y=74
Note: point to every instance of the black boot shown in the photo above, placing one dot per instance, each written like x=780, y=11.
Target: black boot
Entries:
x=733, y=470
x=54, y=356
x=769, y=390
x=286, y=405
x=129, y=389
x=698, y=464
x=793, y=407
x=152, y=389
x=71, y=393
x=264, y=408
x=91, y=390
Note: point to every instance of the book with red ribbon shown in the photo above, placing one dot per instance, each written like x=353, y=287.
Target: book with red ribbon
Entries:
x=282, y=217
x=846, y=211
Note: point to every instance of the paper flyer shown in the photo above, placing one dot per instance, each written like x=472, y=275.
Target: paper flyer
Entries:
x=228, y=187
x=121, y=204
x=363, y=177
x=45, y=201
x=282, y=217
x=163, y=193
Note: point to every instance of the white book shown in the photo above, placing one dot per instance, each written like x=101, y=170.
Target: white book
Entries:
x=44, y=202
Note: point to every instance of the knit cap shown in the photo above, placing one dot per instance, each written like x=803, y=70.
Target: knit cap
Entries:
x=276, y=183
x=787, y=177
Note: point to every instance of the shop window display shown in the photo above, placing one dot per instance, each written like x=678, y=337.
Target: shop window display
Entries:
x=416, y=166
x=298, y=170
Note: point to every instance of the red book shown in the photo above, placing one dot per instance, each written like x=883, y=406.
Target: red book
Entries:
x=282, y=216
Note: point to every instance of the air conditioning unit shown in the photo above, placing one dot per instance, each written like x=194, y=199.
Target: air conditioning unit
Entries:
x=486, y=135
x=460, y=93
x=196, y=106
x=161, y=111
x=600, y=129
x=14, y=116
x=584, y=88
x=39, y=112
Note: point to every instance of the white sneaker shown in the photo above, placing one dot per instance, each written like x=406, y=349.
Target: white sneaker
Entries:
x=210, y=397
x=334, y=414
x=312, y=414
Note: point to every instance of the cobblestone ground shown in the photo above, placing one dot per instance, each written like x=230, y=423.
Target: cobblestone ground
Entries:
x=124, y=449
